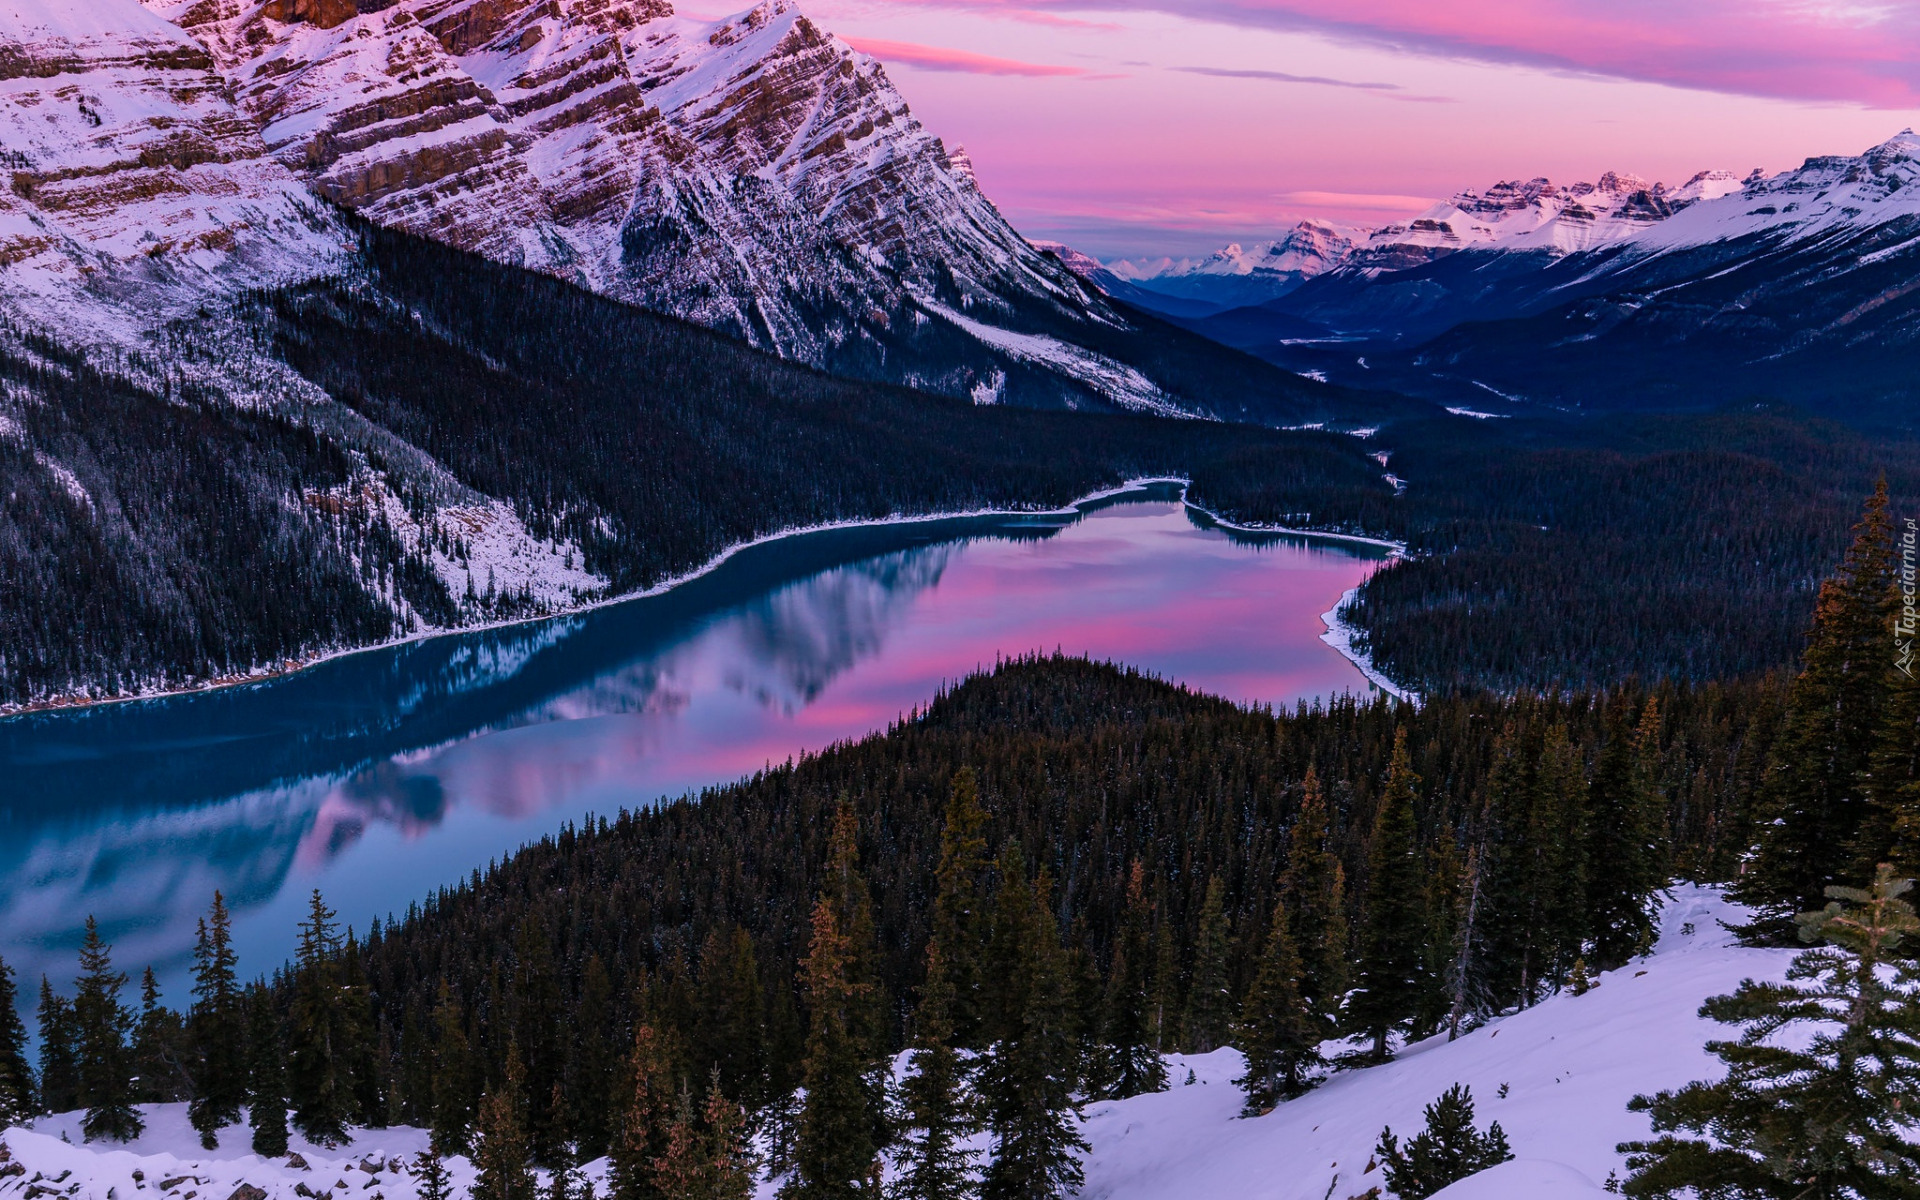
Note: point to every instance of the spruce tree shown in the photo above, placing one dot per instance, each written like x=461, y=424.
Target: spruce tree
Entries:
x=729, y=1157
x=266, y=1075
x=1626, y=836
x=216, y=1025
x=19, y=1098
x=1891, y=831
x=1814, y=801
x=1209, y=1019
x=1278, y=1032
x=836, y=1154
x=323, y=1031
x=1818, y=1099
x=537, y=1028
x=1448, y=1150
x=1313, y=895
x=732, y=1022
x=646, y=1117
x=931, y=1162
x=1391, y=982
x=59, y=1051
x=593, y=1066
x=453, y=1074
x=1133, y=1065
x=159, y=1048
x=1026, y=1082
x=501, y=1154
x=960, y=918
x=105, y=1060
x=430, y=1172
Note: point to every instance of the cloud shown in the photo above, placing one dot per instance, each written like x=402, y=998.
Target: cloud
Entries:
x=1369, y=201
x=1866, y=54
x=943, y=58
x=1391, y=91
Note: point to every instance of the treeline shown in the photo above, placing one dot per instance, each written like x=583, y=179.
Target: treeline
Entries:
x=1580, y=552
x=1065, y=861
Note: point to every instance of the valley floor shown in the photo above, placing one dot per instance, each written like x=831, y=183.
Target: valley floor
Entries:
x=1557, y=1077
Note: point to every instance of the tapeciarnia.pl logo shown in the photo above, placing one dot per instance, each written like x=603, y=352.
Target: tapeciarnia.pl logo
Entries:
x=1908, y=620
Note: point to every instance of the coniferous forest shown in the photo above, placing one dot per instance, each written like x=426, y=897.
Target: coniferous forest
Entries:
x=1034, y=888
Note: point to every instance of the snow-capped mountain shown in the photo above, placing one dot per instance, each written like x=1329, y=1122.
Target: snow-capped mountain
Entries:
x=137, y=189
x=754, y=174
x=1794, y=286
x=1239, y=274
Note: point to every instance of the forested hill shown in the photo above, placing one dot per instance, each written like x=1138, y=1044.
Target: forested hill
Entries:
x=1169, y=824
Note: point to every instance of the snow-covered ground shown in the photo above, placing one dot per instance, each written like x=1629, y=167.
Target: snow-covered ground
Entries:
x=1557, y=1077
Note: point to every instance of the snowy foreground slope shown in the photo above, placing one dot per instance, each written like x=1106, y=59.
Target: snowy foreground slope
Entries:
x=1569, y=1066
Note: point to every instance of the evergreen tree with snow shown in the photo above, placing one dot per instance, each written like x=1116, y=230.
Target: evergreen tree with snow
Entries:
x=430, y=1174
x=59, y=1051
x=1133, y=1065
x=266, y=1074
x=105, y=1059
x=842, y=1128
x=1313, y=894
x=931, y=1163
x=1390, y=975
x=646, y=1117
x=1814, y=800
x=1278, y=1032
x=19, y=1098
x=960, y=915
x=501, y=1154
x=216, y=1025
x=451, y=1119
x=160, y=1050
x=321, y=1046
x=1822, y=1093
x=1626, y=831
x=1448, y=1150
x=1209, y=1018
x=1027, y=1081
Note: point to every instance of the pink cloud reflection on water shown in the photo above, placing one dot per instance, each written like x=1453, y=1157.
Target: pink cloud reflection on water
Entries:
x=847, y=652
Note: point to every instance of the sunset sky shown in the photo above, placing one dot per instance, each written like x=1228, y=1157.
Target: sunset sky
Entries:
x=1169, y=128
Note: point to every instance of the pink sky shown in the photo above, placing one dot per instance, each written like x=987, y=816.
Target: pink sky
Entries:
x=1141, y=127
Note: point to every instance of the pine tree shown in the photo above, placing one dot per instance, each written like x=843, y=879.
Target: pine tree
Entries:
x=1448, y=1150
x=501, y=1154
x=159, y=1048
x=1445, y=904
x=1814, y=801
x=1556, y=852
x=1313, y=894
x=1390, y=975
x=959, y=915
x=646, y=1117
x=59, y=1052
x=322, y=1047
x=593, y=1067
x=453, y=1073
x=537, y=1026
x=1133, y=1065
x=19, y=1099
x=1209, y=1019
x=266, y=1075
x=1277, y=1032
x=1026, y=1081
x=835, y=1153
x=932, y=1164
x=733, y=1015
x=1891, y=831
x=103, y=1022
x=729, y=1158
x=216, y=1026
x=1626, y=828
x=430, y=1170
x=1825, y=1111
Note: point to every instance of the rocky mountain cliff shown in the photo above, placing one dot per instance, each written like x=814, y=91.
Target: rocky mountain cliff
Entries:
x=755, y=175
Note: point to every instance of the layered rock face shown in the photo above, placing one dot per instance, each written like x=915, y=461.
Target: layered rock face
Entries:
x=755, y=175
x=131, y=175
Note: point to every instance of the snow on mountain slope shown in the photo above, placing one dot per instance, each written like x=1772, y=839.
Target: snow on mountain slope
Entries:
x=754, y=174
x=1568, y=1066
x=137, y=188
x=1249, y=274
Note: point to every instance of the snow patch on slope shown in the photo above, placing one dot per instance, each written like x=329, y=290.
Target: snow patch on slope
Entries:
x=1115, y=380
